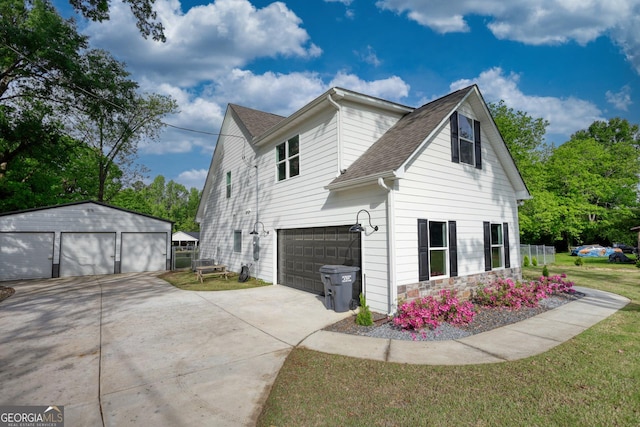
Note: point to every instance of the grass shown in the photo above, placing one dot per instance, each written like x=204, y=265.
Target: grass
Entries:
x=186, y=280
x=591, y=380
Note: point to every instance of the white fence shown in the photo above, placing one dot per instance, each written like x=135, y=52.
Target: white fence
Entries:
x=543, y=254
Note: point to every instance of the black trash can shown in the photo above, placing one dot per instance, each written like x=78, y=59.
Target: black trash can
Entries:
x=338, y=283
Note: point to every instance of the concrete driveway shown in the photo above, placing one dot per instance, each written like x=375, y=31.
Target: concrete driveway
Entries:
x=133, y=350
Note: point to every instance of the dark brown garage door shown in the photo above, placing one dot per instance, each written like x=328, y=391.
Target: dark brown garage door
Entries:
x=301, y=253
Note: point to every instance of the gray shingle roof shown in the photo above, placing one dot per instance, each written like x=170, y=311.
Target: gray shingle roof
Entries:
x=396, y=146
x=256, y=122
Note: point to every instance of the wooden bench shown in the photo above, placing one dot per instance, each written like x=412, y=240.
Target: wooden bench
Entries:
x=211, y=270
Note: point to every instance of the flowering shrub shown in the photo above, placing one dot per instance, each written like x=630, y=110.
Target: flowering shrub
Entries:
x=514, y=295
x=431, y=312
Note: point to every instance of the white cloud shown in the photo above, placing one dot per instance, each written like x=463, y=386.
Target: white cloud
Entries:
x=621, y=99
x=392, y=88
x=204, y=42
x=272, y=92
x=369, y=56
x=535, y=22
x=193, y=178
x=565, y=115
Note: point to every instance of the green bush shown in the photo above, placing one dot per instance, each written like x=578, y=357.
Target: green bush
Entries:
x=534, y=261
x=545, y=271
x=578, y=262
x=526, y=261
x=364, y=317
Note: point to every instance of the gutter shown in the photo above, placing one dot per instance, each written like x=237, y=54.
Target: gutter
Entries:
x=338, y=131
x=392, y=290
x=362, y=181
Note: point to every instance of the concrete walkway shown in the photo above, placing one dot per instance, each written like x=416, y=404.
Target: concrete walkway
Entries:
x=134, y=350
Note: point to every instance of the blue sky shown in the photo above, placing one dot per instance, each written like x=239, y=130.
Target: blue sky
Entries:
x=570, y=62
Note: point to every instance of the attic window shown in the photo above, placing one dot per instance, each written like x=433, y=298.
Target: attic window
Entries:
x=465, y=133
x=288, y=158
x=465, y=140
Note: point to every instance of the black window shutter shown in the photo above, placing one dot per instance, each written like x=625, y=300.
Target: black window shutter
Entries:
x=453, y=250
x=423, y=250
x=487, y=246
x=505, y=239
x=478, y=146
x=455, y=148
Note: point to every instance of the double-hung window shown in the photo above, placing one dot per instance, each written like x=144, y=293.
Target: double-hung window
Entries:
x=465, y=140
x=496, y=246
x=437, y=249
x=288, y=158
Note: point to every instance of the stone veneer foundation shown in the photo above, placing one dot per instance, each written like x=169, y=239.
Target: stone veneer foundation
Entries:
x=464, y=285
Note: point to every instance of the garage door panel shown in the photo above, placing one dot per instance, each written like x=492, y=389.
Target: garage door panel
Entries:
x=302, y=252
x=143, y=252
x=26, y=255
x=87, y=254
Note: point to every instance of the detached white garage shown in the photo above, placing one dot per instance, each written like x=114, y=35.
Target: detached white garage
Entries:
x=80, y=239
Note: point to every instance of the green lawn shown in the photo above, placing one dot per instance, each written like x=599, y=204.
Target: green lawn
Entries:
x=186, y=280
x=591, y=380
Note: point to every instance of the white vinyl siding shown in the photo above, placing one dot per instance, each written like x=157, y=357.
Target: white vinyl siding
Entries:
x=361, y=127
x=289, y=204
x=434, y=187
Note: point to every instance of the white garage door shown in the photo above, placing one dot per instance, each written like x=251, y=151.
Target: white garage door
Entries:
x=26, y=255
x=143, y=252
x=86, y=254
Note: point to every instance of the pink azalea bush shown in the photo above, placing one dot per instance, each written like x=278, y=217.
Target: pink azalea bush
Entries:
x=513, y=295
x=430, y=312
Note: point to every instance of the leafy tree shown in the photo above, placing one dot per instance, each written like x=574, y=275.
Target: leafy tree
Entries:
x=168, y=200
x=113, y=118
x=524, y=136
x=38, y=53
x=142, y=10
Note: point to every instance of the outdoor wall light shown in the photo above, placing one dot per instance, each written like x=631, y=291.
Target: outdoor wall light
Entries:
x=357, y=228
x=255, y=231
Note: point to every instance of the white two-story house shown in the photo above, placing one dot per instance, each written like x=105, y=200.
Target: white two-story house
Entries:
x=434, y=188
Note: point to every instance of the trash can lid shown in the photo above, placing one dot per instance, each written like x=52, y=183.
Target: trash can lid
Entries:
x=338, y=269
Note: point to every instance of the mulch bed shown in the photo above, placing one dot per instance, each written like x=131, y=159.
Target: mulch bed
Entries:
x=485, y=319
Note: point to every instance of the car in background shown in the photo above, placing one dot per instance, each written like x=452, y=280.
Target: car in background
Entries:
x=626, y=248
x=594, y=251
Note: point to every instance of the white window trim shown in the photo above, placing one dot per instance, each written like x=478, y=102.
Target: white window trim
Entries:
x=444, y=249
x=499, y=245
x=471, y=141
x=287, y=160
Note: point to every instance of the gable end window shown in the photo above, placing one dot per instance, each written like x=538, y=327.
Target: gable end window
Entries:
x=288, y=158
x=228, y=185
x=465, y=140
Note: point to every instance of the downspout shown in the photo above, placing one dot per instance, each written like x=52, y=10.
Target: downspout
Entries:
x=392, y=291
x=338, y=131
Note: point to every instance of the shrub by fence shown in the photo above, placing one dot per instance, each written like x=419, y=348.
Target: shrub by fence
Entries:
x=543, y=254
